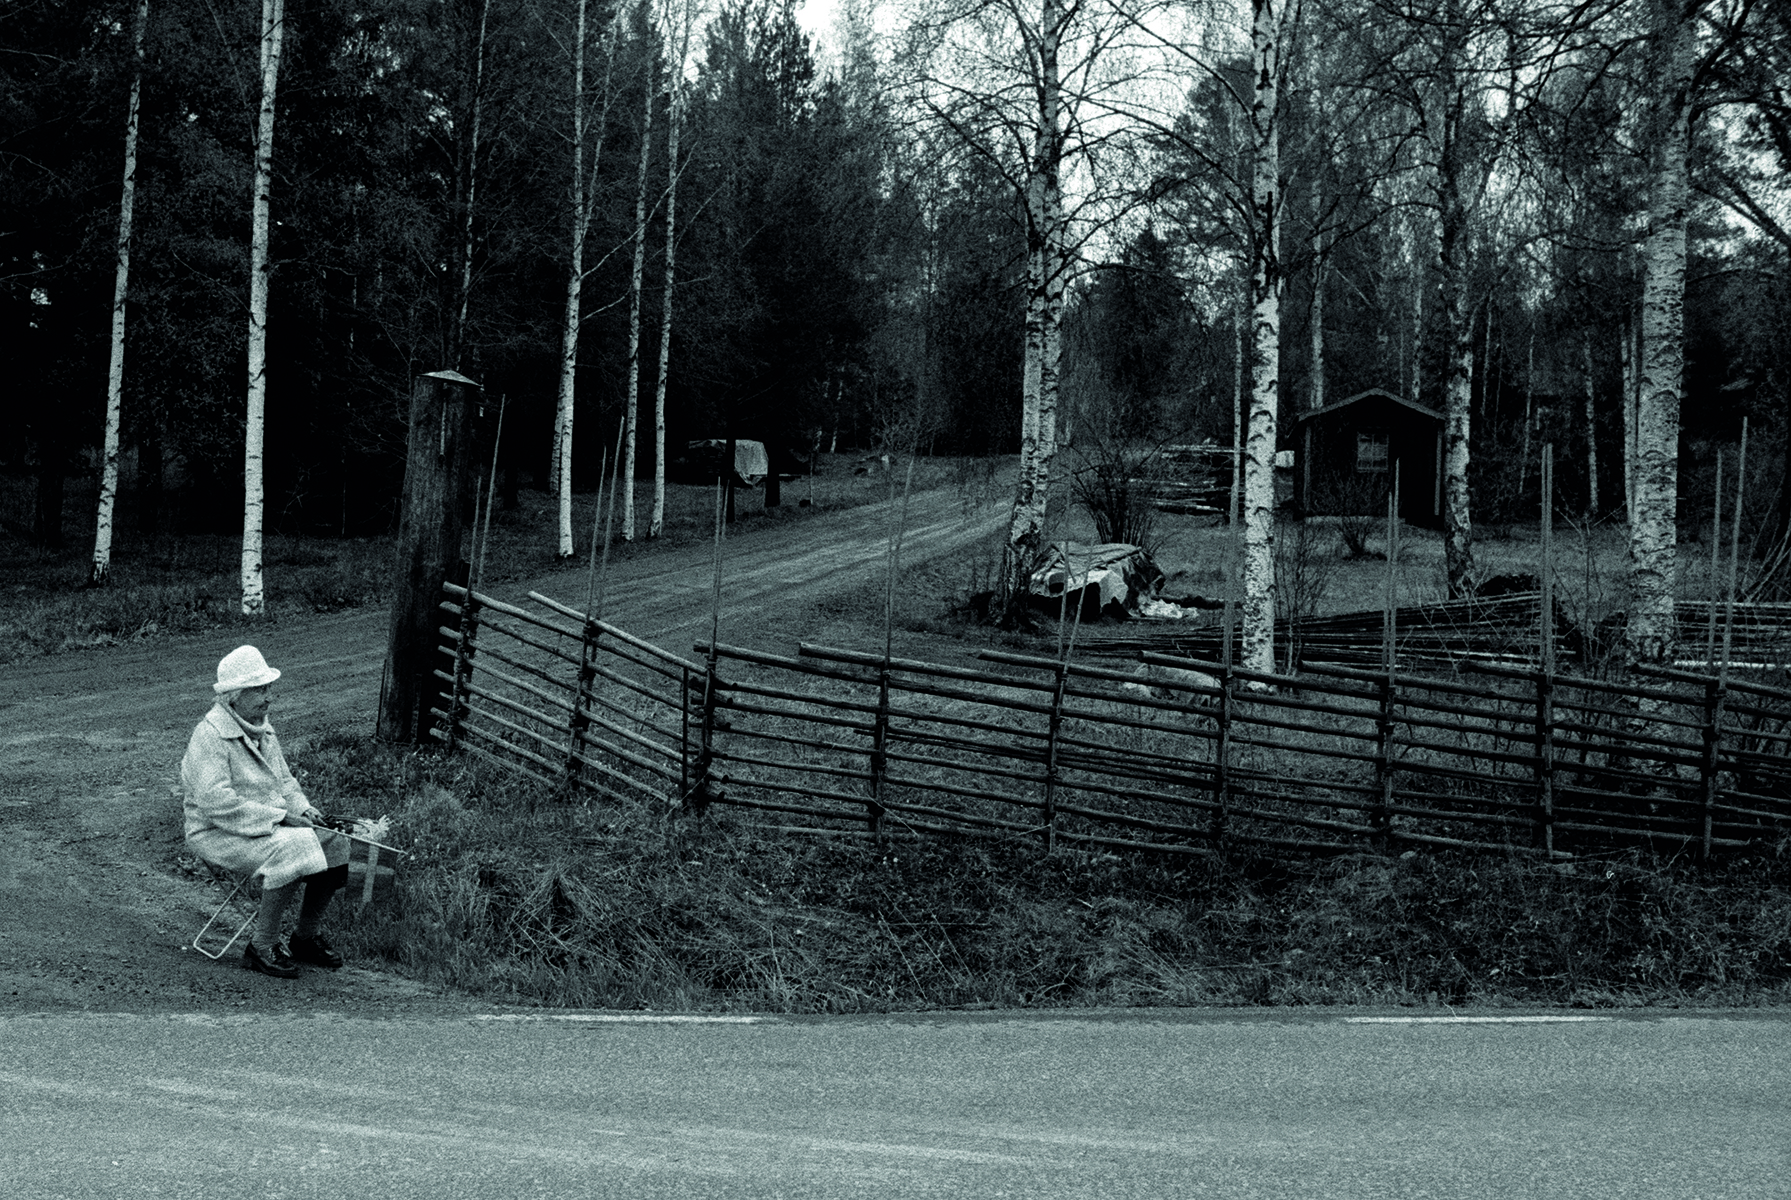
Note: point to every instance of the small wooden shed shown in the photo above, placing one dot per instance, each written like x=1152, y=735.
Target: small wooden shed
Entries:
x=1348, y=452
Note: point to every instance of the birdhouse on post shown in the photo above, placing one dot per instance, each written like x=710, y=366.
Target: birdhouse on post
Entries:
x=431, y=524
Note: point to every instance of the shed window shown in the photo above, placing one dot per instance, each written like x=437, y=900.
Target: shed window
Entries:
x=1371, y=450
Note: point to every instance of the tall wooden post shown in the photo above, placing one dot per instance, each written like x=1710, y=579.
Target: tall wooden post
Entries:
x=431, y=525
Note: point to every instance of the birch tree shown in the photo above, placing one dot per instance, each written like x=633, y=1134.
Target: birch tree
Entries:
x=273, y=29
x=1591, y=432
x=102, y=537
x=1022, y=85
x=1258, y=616
x=1654, y=522
x=631, y=414
x=674, y=122
x=583, y=197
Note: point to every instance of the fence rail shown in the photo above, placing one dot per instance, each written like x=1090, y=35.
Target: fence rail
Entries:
x=1173, y=755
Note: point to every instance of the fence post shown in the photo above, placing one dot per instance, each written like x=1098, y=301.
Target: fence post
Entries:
x=1545, y=760
x=1714, y=695
x=1222, y=759
x=705, y=762
x=683, y=733
x=1383, y=767
x=879, y=756
x=465, y=646
x=581, y=706
x=1056, y=725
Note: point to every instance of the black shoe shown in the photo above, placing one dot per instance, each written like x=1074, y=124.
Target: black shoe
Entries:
x=279, y=964
x=312, y=948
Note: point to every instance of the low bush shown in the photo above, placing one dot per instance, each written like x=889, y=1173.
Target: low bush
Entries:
x=520, y=896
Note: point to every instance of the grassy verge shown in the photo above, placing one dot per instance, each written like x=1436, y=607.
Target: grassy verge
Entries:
x=513, y=895
x=172, y=584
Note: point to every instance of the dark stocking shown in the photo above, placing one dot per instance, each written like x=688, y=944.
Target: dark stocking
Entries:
x=319, y=888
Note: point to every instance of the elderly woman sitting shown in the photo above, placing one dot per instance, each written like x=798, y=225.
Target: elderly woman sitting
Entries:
x=246, y=813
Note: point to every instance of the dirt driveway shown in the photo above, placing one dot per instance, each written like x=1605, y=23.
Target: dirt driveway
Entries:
x=94, y=910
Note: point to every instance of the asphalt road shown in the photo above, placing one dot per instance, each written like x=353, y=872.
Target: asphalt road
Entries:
x=1120, y=1105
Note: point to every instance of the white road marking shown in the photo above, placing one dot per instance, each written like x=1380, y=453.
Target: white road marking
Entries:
x=628, y=1018
x=1547, y=1019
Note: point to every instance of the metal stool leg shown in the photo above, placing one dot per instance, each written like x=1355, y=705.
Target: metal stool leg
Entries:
x=241, y=929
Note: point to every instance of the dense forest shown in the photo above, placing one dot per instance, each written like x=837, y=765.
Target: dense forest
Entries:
x=946, y=226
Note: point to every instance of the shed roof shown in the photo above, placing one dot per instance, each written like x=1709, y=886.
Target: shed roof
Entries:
x=1432, y=413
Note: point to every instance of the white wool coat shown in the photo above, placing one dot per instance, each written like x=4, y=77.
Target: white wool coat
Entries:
x=238, y=797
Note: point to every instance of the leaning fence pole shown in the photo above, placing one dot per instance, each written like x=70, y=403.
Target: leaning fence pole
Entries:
x=706, y=744
x=1232, y=558
x=1716, y=566
x=896, y=530
x=1383, y=816
x=1054, y=726
x=1715, y=695
x=580, y=719
x=1734, y=555
x=485, y=540
x=1545, y=680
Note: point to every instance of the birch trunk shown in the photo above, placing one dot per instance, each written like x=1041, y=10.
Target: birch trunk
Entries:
x=1258, y=618
x=674, y=116
x=1044, y=301
x=631, y=418
x=1523, y=463
x=1630, y=351
x=1318, y=306
x=1591, y=436
x=571, y=318
x=108, y=497
x=1458, y=394
x=1652, y=532
x=1419, y=279
x=569, y=321
x=273, y=29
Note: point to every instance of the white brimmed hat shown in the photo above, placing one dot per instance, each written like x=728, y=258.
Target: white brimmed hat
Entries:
x=243, y=668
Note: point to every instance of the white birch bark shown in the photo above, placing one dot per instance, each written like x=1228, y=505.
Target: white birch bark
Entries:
x=1258, y=618
x=1458, y=392
x=1044, y=299
x=1631, y=354
x=273, y=29
x=571, y=319
x=1418, y=282
x=575, y=275
x=108, y=497
x=1591, y=436
x=1523, y=462
x=674, y=118
x=631, y=418
x=1652, y=532
x=1318, y=305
